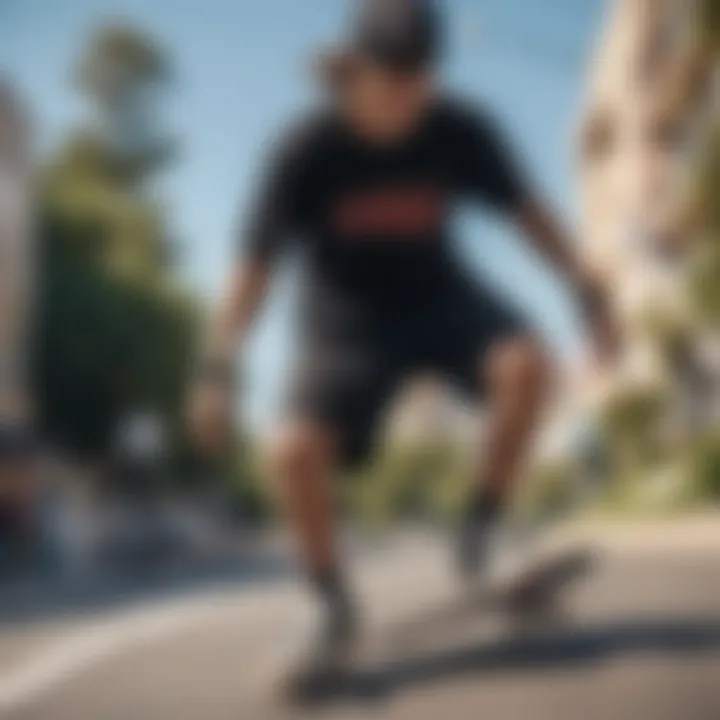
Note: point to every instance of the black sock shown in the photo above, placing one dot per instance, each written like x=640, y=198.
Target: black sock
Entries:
x=330, y=587
x=336, y=605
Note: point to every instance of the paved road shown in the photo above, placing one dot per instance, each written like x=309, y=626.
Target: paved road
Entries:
x=640, y=640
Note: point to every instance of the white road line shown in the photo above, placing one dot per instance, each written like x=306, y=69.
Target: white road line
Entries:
x=101, y=640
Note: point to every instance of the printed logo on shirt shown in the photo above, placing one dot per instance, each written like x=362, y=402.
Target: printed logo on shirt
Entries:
x=400, y=212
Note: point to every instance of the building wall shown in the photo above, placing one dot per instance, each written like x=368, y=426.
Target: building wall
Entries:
x=16, y=254
x=634, y=160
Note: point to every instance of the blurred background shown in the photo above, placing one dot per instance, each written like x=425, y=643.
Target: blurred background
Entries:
x=130, y=138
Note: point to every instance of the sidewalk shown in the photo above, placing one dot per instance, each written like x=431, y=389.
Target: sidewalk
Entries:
x=697, y=532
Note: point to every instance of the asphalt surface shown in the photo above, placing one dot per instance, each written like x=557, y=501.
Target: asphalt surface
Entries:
x=638, y=638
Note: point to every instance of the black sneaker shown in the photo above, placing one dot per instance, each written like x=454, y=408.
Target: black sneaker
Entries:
x=474, y=548
x=321, y=668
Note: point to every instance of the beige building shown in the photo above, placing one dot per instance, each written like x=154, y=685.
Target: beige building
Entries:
x=15, y=255
x=649, y=105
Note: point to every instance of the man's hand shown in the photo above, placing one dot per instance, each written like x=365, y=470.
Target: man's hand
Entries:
x=210, y=411
x=538, y=222
x=211, y=401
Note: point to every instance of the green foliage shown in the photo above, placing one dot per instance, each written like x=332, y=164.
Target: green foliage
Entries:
x=704, y=276
x=114, y=331
x=708, y=15
x=630, y=414
x=105, y=346
x=669, y=333
x=91, y=199
x=550, y=487
x=116, y=51
x=630, y=422
x=704, y=466
x=411, y=480
x=704, y=281
x=708, y=185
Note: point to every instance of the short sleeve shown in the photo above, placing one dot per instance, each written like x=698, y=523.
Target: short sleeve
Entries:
x=272, y=218
x=486, y=167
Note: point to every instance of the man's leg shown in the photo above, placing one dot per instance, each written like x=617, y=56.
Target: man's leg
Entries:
x=516, y=374
x=336, y=398
x=304, y=463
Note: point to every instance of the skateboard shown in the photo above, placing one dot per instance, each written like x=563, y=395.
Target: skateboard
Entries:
x=532, y=591
x=531, y=596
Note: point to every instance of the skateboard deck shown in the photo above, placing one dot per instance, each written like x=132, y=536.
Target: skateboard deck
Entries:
x=532, y=590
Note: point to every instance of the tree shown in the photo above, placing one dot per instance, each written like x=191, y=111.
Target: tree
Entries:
x=115, y=330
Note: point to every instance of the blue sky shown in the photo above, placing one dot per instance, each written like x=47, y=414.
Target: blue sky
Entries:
x=240, y=72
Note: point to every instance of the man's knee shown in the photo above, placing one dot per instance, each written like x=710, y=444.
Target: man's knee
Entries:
x=301, y=449
x=522, y=364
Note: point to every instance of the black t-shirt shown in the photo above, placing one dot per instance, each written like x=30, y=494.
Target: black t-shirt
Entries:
x=374, y=221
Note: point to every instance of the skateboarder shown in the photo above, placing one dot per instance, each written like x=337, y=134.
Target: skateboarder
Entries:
x=365, y=187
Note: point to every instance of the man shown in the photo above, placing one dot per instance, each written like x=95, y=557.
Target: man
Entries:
x=366, y=187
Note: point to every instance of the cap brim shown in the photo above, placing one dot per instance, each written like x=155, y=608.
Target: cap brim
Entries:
x=333, y=65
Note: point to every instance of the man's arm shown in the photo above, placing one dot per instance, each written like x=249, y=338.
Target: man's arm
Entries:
x=489, y=172
x=547, y=235
x=211, y=401
x=239, y=306
x=270, y=224
x=540, y=225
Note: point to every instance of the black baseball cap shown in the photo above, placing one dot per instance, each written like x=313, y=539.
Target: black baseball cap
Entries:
x=402, y=35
